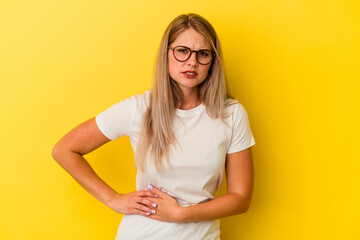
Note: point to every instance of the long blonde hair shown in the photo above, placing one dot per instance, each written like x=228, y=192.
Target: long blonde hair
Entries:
x=165, y=96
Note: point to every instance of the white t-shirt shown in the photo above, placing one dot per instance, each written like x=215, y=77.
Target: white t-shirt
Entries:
x=195, y=171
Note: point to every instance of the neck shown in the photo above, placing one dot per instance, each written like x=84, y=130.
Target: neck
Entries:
x=190, y=99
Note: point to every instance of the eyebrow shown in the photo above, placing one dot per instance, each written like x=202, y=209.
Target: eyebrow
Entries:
x=193, y=49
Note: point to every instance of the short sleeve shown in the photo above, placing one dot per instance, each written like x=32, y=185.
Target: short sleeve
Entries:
x=242, y=137
x=115, y=121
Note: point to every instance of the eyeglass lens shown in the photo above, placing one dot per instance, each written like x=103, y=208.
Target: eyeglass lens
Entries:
x=183, y=53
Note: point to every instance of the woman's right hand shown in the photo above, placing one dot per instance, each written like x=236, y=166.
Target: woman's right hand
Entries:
x=133, y=203
x=69, y=151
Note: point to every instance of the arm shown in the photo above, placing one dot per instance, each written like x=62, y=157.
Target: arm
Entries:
x=69, y=151
x=240, y=181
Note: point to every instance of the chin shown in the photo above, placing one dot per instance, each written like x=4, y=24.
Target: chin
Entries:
x=187, y=83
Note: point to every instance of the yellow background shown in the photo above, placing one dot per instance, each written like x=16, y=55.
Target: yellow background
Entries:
x=294, y=65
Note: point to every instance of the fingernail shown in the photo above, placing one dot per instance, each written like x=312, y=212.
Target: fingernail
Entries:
x=151, y=187
x=148, y=213
x=153, y=211
x=156, y=195
x=154, y=204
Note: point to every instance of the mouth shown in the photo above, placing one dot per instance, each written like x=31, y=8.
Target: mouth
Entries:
x=190, y=74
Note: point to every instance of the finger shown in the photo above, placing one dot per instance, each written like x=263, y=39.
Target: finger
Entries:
x=157, y=191
x=143, y=208
x=136, y=211
x=147, y=202
x=139, y=203
x=155, y=217
x=144, y=193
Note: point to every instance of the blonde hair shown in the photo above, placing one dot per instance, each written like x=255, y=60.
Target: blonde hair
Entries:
x=157, y=133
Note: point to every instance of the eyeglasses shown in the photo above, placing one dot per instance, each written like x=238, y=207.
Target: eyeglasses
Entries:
x=182, y=54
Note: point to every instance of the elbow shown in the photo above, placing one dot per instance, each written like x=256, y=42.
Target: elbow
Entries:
x=62, y=154
x=56, y=153
x=242, y=208
x=243, y=204
x=245, y=208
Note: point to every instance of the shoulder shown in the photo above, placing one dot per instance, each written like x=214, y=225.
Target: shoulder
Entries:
x=128, y=106
x=141, y=98
x=241, y=137
x=118, y=119
x=234, y=107
x=139, y=101
x=236, y=114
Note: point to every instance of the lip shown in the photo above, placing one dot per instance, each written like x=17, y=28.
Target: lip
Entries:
x=190, y=76
x=190, y=72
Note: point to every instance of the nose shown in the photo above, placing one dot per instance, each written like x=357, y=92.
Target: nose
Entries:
x=192, y=59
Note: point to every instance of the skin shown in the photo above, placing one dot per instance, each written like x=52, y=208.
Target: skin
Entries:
x=86, y=137
x=189, y=86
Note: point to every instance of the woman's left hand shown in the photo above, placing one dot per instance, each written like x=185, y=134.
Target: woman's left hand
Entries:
x=167, y=209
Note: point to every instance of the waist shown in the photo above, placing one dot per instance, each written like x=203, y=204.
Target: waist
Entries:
x=184, y=203
x=141, y=227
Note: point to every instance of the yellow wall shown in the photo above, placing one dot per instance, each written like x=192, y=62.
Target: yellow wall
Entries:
x=293, y=64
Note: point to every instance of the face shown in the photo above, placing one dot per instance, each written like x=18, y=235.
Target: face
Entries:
x=177, y=70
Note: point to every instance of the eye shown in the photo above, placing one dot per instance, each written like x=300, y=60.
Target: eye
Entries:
x=203, y=53
x=182, y=50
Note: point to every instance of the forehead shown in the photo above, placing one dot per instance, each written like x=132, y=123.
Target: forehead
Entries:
x=192, y=39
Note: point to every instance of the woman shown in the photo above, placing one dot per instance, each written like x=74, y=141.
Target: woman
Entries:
x=184, y=131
